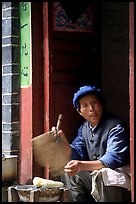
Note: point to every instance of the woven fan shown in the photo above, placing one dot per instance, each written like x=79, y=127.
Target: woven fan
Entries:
x=50, y=149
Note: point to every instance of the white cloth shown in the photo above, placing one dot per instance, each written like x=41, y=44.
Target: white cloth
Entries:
x=119, y=177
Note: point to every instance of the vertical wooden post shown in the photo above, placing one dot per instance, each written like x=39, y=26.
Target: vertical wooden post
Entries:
x=131, y=92
x=46, y=73
x=25, y=160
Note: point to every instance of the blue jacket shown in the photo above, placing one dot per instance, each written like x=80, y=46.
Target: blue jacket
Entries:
x=108, y=142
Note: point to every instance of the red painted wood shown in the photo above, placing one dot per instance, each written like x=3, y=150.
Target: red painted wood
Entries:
x=31, y=100
x=131, y=91
x=37, y=77
x=25, y=159
x=46, y=73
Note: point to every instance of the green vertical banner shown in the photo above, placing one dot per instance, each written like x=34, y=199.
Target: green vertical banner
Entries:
x=25, y=45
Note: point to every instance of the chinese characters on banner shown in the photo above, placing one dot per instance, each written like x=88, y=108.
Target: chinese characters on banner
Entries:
x=25, y=44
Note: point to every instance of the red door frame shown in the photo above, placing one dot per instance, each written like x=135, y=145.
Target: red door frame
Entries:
x=131, y=81
x=46, y=73
x=25, y=164
x=131, y=92
x=25, y=160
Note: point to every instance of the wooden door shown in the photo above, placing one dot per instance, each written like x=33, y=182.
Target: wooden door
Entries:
x=71, y=60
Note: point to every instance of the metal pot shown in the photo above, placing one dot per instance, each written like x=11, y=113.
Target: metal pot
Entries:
x=9, y=168
x=44, y=194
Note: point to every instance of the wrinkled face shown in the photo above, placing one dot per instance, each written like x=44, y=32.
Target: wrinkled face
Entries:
x=90, y=109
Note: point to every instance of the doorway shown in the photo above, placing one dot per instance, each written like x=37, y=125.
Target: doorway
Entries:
x=63, y=61
x=73, y=61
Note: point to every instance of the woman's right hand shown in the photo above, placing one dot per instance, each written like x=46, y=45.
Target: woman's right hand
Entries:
x=62, y=137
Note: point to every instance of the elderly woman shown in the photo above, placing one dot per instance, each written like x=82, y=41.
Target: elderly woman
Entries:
x=101, y=144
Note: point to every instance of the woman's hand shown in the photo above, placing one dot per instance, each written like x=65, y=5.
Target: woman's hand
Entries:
x=63, y=138
x=57, y=133
x=72, y=167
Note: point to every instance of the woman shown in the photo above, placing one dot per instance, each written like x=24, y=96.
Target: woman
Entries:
x=102, y=142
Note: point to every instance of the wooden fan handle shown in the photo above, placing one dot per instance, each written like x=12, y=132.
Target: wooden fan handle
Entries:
x=59, y=122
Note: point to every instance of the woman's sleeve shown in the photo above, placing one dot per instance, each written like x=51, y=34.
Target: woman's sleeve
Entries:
x=117, y=151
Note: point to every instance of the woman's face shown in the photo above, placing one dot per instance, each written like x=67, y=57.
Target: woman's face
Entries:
x=90, y=109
